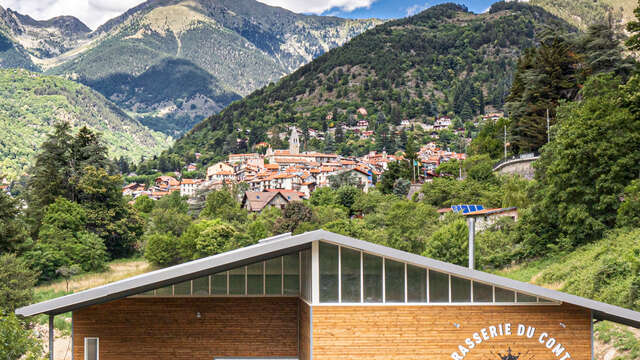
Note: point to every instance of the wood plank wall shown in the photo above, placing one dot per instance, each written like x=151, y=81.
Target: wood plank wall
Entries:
x=430, y=332
x=168, y=328
x=304, y=331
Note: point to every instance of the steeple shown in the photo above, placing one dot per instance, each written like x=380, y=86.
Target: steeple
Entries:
x=294, y=142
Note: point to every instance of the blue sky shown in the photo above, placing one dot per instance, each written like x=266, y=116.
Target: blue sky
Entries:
x=386, y=9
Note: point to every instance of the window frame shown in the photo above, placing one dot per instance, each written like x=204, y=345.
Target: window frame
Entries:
x=86, y=354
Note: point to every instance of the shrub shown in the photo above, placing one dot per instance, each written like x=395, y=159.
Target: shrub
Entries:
x=17, y=342
x=161, y=249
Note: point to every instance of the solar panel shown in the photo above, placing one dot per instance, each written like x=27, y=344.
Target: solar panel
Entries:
x=465, y=209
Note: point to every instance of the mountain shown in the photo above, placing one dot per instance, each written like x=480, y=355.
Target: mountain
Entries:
x=233, y=46
x=582, y=13
x=43, y=39
x=443, y=60
x=30, y=103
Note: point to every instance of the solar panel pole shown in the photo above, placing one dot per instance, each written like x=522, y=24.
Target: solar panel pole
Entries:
x=471, y=221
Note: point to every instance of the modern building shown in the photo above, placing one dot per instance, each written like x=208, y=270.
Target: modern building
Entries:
x=325, y=296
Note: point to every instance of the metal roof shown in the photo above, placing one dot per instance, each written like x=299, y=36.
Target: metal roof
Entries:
x=283, y=244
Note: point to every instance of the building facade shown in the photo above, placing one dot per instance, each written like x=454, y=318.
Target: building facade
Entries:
x=320, y=296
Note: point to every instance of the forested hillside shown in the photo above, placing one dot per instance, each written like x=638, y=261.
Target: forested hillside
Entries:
x=30, y=104
x=444, y=60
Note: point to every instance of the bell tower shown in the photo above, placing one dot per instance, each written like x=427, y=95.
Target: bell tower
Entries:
x=294, y=142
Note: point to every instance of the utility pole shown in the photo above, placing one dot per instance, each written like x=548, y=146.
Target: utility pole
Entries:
x=505, y=141
x=548, y=135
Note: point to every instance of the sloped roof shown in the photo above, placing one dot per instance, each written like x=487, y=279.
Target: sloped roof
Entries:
x=258, y=200
x=286, y=243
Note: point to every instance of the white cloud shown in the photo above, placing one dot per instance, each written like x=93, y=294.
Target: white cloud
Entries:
x=319, y=6
x=92, y=12
x=414, y=9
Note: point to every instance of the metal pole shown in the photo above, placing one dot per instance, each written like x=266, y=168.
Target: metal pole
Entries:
x=505, y=141
x=548, y=135
x=51, y=336
x=471, y=221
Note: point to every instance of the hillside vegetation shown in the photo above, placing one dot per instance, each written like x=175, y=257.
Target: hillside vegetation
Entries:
x=30, y=104
x=443, y=60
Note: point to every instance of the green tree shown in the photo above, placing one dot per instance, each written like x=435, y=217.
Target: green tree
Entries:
x=633, y=27
x=629, y=210
x=161, y=249
x=397, y=170
x=17, y=282
x=221, y=205
x=293, y=214
x=208, y=237
x=16, y=341
x=143, y=204
x=13, y=232
x=64, y=241
x=449, y=243
x=581, y=175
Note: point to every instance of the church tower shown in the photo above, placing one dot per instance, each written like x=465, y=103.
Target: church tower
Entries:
x=294, y=142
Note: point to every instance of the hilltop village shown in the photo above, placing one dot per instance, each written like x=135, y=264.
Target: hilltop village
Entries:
x=293, y=171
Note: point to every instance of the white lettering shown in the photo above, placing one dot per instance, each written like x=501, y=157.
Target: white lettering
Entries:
x=463, y=350
x=530, y=332
x=470, y=343
x=484, y=334
x=507, y=329
x=500, y=330
x=542, y=337
x=477, y=338
x=493, y=331
x=550, y=343
x=520, y=329
x=558, y=350
x=566, y=356
x=456, y=356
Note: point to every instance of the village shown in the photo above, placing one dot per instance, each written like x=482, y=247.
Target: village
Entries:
x=295, y=174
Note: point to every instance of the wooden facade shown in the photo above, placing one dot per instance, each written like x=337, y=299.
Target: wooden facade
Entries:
x=304, y=331
x=169, y=328
x=436, y=332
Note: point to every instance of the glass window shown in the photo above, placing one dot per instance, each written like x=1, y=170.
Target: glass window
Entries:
x=182, y=289
x=372, y=268
x=542, y=300
x=165, y=291
x=237, y=281
x=328, y=272
x=219, y=284
x=524, y=298
x=416, y=284
x=255, y=279
x=200, y=286
x=91, y=348
x=482, y=293
x=350, y=273
x=504, y=295
x=460, y=290
x=291, y=274
x=273, y=276
x=438, y=287
x=394, y=281
x=305, y=268
x=148, y=293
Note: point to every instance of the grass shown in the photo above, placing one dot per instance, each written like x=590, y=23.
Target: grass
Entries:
x=117, y=270
x=529, y=271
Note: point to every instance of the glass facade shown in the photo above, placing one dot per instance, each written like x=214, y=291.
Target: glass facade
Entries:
x=346, y=276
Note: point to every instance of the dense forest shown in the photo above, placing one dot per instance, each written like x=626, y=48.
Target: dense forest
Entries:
x=444, y=60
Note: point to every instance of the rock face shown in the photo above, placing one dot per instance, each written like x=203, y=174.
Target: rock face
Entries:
x=223, y=49
x=44, y=39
